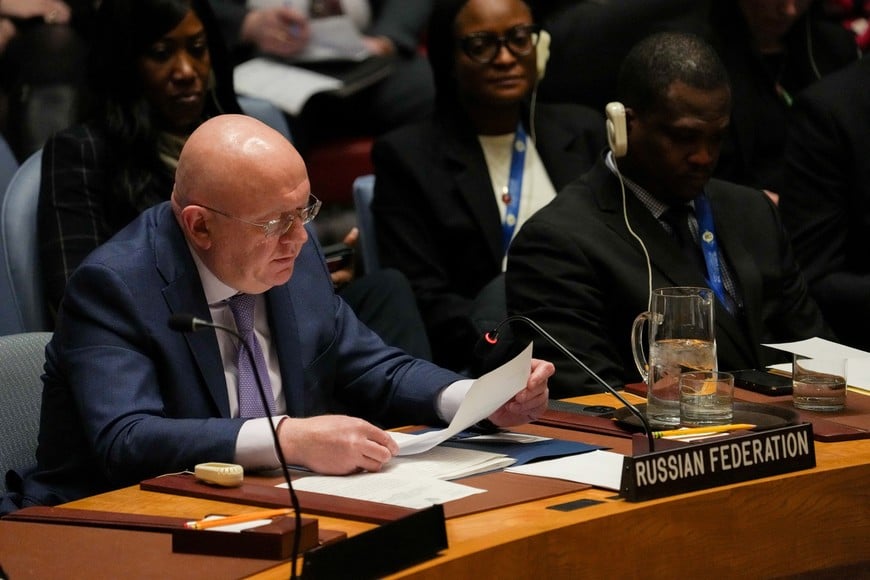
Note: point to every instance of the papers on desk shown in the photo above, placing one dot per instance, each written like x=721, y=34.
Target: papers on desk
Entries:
x=857, y=365
x=403, y=491
x=598, y=468
x=416, y=478
x=415, y=482
x=485, y=395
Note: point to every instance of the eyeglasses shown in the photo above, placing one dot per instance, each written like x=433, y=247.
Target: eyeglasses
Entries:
x=483, y=47
x=281, y=225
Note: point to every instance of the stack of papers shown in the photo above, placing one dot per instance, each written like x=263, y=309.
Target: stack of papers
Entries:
x=419, y=476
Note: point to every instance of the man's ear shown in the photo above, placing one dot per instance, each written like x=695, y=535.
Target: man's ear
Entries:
x=196, y=226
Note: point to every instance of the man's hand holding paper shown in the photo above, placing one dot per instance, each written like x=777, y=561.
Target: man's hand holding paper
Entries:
x=512, y=394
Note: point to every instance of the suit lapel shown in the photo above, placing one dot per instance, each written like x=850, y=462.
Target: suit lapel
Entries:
x=475, y=188
x=554, y=147
x=184, y=295
x=665, y=255
x=285, y=336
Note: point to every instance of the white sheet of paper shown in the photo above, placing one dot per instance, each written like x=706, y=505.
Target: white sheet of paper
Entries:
x=858, y=373
x=444, y=462
x=388, y=488
x=820, y=348
x=598, y=468
x=287, y=87
x=486, y=394
x=857, y=364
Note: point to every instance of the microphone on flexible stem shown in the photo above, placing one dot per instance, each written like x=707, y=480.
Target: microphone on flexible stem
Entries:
x=189, y=323
x=491, y=337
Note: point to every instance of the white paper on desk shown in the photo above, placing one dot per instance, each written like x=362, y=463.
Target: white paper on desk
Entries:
x=598, y=468
x=857, y=372
x=285, y=86
x=485, y=395
x=444, y=462
x=401, y=490
x=857, y=361
x=236, y=528
x=820, y=348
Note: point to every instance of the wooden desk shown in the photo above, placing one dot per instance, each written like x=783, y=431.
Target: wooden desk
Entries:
x=815, y=521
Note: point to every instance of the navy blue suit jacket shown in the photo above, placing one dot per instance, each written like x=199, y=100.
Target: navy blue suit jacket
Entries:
x=126, y=398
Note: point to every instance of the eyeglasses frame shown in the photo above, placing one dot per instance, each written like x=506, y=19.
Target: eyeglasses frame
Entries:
x=271, y=227
x=501, y=41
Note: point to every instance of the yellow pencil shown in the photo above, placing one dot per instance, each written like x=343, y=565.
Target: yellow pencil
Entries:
x=239, y=519
x=702, y=430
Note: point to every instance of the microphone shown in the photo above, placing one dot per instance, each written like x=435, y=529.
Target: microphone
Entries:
x=491, y=338
x=190, y=323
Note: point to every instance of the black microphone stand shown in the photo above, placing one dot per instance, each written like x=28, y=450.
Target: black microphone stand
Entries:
x=492, y=338
x=190, y=323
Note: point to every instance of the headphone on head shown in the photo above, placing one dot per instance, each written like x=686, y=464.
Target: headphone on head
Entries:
x=617, y=140
x=543, y=53
x=617, y=134
x=542, y=56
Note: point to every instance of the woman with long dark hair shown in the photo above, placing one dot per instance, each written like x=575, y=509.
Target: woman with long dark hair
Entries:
x=157, y=70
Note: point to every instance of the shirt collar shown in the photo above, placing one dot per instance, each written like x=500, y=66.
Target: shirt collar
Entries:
x=652, y=203
x=215, y=290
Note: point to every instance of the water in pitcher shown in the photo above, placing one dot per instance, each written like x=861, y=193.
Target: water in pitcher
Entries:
x=672, y=357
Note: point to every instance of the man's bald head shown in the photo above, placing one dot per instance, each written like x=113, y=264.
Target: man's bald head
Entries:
x=222, y=155
x=235, y=175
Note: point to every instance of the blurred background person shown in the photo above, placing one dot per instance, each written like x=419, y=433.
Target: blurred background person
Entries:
x=583, y=266
x=597, y=34
x=451, y=191
x=772, y=49
x=391, y=29
x=43, y=44
x=826, y=200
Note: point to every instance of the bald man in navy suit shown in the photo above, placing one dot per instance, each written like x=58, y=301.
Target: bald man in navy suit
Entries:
x=126, y=398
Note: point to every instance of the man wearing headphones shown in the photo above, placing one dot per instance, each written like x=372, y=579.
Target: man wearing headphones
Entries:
x=583, y=267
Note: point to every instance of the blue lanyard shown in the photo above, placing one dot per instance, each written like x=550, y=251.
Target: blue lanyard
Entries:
x=710, y=249
x=515, y=186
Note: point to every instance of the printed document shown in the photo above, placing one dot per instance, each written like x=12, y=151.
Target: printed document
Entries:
x=857, y=361
x=486, y=394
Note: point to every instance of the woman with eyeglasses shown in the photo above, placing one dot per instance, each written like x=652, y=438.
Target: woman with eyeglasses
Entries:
x=157, y=70
x=451, y=191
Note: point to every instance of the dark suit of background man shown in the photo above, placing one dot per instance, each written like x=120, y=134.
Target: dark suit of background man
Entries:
x=126, y=398
x=826, y=201
x=576, y=269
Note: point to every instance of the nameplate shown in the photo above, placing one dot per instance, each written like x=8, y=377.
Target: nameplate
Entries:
x=704, y=465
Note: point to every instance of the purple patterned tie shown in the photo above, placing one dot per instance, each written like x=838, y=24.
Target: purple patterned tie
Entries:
x=250, y=404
